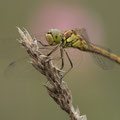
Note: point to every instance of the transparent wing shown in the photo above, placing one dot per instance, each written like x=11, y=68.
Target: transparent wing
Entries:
x=14, y=65
x=83, y=33
x=21, y=66
x=17, y=67
x=102, y=61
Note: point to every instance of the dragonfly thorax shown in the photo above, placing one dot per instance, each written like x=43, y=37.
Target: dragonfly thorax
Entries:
x=54, y=36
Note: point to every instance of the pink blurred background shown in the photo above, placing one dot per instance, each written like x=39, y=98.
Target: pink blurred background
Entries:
x=66, y=16
x=95, y=91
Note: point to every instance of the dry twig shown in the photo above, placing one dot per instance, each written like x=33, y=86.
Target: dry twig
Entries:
x=61, y=94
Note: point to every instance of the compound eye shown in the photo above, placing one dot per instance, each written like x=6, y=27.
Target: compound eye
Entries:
x=49, y=32
x=49, y=39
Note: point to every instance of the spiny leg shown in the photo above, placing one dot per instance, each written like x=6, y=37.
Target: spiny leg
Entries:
x=62, y=58
x=53, y=50
x=71, y=64
x=43, y=44
x=45, y=48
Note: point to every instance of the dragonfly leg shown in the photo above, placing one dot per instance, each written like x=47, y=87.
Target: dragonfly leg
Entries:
x=53, y=50
x=40, y=43
x=62, y=58
x=71, y=65
x=44, y=48
x=43, y=44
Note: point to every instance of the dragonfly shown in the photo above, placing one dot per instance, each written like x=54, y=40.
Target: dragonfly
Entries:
x=77, y=39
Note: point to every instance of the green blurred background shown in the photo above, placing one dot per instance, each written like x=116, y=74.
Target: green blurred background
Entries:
x=22, y=96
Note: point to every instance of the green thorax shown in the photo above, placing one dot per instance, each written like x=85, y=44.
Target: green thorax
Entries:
x=69, y=38
x=72, y=39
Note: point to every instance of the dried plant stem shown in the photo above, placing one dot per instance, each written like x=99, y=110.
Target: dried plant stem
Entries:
x=59, y=92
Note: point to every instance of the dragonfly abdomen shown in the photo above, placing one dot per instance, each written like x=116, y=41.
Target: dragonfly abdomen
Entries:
x=105, y=53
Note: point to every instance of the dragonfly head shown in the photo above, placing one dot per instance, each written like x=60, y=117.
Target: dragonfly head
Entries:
x=53, y=36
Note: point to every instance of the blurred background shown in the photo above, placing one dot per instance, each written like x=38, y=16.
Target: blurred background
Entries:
x=95, y=91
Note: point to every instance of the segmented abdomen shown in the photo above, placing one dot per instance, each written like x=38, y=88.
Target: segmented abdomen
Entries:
x=103, y=52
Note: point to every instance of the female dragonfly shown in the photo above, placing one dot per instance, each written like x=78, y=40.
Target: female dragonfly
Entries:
x=78, y=39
